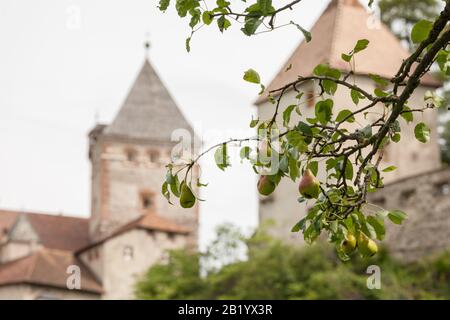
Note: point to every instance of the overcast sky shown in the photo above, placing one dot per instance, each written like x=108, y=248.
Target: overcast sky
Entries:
x=57, y=74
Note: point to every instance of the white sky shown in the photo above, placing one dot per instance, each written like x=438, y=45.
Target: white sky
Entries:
x=55, y=77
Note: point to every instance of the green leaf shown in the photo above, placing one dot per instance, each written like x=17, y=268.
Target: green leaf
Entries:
x=422, y=132
x=223, y=23
x=324, y=111
x=355, y=96
x=389, y=169
x=251, y=25
x=287, y=114
x=421, y=30
x=380, y=93
x=407, y=114
x=163, y=5
x=252, y=76
x=345, y=114
x=165, y=191
x=299, y=225
x=349, y=170
x=188, y=44
x=265, y=6
x=314, y=167
x=305, y=129
x=222, y=3
x=346, y=57
x=379, y=80
x=378, y=226
x=396, y=137
x=245, y=152
x=221, y=157
x=207, y=18
x=297, y=141
x=397, y=216
x=294, y=171
x=361, y=45
x=306, y=33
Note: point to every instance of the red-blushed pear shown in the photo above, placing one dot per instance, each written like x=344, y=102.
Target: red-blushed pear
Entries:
x=266, y=186
x=187, y=198
x=264, y=149
x=309, y=186
x=349, y=244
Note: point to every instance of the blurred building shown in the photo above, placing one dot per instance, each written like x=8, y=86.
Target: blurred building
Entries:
x=419, y=186
x=131, y=225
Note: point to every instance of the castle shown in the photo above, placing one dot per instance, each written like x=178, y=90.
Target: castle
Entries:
x=419, y=185
x=131, y=225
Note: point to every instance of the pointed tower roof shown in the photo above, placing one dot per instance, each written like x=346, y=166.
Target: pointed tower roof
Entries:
x=149, y=112
x=340, y=26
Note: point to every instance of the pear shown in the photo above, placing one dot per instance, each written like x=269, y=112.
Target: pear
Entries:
x=366, y=246
x=372, y=247
x=264, y=149
x=187, y=198
x=266, y=186
x=349, y=244
x=309, y=186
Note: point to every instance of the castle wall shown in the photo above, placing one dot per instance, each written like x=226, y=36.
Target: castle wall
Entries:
x=121, y=272
x=426, y=201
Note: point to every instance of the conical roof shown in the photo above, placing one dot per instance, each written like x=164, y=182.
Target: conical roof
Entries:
x=340, y=26
x=149, y=112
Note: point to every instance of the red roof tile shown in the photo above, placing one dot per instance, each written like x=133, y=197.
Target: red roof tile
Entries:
x=54, y=231
x=47, y=267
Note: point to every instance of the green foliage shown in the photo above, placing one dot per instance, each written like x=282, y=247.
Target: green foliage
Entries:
x=274, y=270
x=349, y=156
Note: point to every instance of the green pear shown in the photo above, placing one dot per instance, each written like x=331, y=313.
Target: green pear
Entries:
x=349, y=244
x=309, y=186
x=187, y=198
x=372, y=247
x=266, y=186
x=367, y=247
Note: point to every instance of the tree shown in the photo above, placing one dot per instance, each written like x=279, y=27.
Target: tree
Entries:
x=275, y=270
x=401, y=15
x=293, y=150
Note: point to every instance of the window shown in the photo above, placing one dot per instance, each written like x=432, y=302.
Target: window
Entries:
x=406, y=195
x=131, y=154
x=153, y=156
x=381, y=202
x=310, y=98
x=442, y=189
x=128, y=253
x=147, y=200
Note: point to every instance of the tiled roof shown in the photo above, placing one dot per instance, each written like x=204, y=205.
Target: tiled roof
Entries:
x=341, y=25
x=54, y=231
x=149, y=221
x=47, y=267
x=149, y=112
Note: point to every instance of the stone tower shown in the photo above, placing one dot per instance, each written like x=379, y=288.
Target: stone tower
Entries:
x=128, y=159
x=340, y=26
